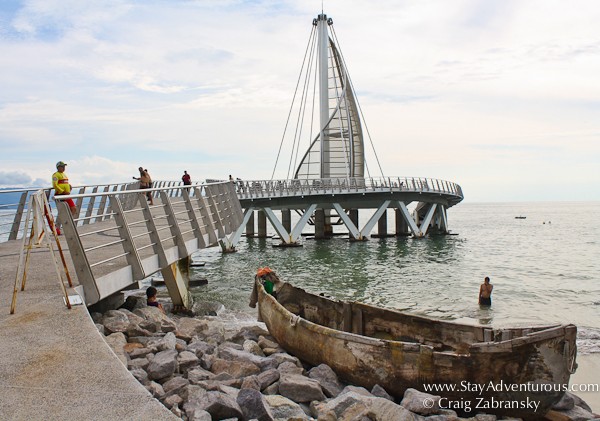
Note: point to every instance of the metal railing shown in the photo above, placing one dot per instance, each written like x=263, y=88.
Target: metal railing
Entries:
x=254, y=189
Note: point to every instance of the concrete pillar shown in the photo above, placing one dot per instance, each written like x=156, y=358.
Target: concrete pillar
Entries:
x=401, y=224
x=382, y=225
x=262, y=224
x=250, y=226
x=319, y=223
x=327, y=227
x=177, y=280
x=286, y=219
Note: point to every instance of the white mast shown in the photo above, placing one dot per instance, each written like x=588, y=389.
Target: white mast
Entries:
x=323, y=44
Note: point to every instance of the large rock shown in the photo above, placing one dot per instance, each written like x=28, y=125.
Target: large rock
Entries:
x=300, y=389
x=230, y=353
x=163, y=365
x=188, y=328
x=253, y=348
x=413, y=400
x=266, y=343
x=155, y=315
x=138, y=363
x=175, y=385
x=355, y=406
x=285, y=409
x=251, y=382
x=252, y=332
x=167, y=342
x=200, y=348
x=254, y=405
x=187, y=360
x=327, y=379
x=117, y=342
x=140, y=375
x=236, y=369
x=199, y=374
x=221, y=406
x=289, y=368
x=577, y=413
x=155, y=389
x=267, y=378
x=380, y=392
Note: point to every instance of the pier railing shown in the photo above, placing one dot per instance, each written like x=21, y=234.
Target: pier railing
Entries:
x=279, y=188
x=125, y=239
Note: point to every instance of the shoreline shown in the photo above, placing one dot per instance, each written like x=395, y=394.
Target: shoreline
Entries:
x=588, y=373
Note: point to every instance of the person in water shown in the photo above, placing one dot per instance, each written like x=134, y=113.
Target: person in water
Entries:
x=485, y=292
x=151, y=299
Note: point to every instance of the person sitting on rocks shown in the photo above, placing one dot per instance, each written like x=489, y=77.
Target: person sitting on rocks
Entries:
x=151, y=299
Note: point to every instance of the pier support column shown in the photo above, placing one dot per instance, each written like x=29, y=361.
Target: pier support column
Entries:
x=327, y=227
x=382, y=225
x=177, y=280
x=402, y=228
x=262, y=224
x=353, y=214
x=286, y=219
x=250, y=226
x=319, y=224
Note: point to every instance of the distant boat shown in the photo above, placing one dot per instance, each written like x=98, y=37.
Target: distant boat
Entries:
x=520, y=217
x=367, y=345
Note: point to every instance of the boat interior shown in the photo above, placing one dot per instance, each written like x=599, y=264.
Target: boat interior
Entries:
x=376, y=322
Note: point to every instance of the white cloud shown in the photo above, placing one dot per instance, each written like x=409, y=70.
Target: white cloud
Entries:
x=206, y=85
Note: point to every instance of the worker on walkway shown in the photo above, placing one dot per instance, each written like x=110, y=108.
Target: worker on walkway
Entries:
x=60, y=183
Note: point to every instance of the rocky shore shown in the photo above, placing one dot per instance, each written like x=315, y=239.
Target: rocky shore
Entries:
x=207, y=368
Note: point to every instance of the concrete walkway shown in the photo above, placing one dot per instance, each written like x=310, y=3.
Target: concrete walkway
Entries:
x=54, y=364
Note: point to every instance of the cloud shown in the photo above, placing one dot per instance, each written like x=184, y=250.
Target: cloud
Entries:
x=16, y=179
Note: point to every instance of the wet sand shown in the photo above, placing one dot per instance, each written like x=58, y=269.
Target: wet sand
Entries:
x=588, y=373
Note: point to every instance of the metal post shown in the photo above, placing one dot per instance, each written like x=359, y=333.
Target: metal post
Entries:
x=250, y=226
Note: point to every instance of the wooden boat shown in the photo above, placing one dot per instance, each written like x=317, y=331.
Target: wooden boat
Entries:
x=367, y=345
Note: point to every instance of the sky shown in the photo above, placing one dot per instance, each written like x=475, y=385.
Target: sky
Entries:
x=499, y=96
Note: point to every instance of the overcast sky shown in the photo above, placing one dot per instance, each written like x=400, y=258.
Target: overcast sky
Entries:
x=501, y=97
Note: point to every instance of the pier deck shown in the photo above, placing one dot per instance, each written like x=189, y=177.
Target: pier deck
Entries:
x=54, y=364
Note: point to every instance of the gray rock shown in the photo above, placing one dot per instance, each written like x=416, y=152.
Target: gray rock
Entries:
x=230, y=353
x=266, y=343
x=172, y=400
x=252, y=332
x=251, y=382
x=578, y=413
x=175, y=385
x=206, y=360
x=100, y=328
x=150, y=326
x=267, y=378
x=155, y=315
x=254, y=405
x=138, y=363
x=327, y=379
x=140, y=375
x=580, y=402
x=188, y=327
x=356, y=389
x=383, y=409
x=133, y=302
x=140, y=352
x=200, y=348
x=380, y=392
x=199, y=374
x=117, y=341
x=200, y=415
x=221, y=406
x=236, y=369
x=163, y=364
x=338, y=406
x=230, y=345
x=193, y=392
x=96, y=317
x=155, y=390
x=285, y=409
x=167, y=342
x=186, y=360
x=282, y=357
x=231, y=391
x=300, y=389
x=272, y=389
x=253, y=348
x=289, y=368
x=176, y=411
x=135, y=330
x=482, y=417
x=133, y=318
x=413, y=401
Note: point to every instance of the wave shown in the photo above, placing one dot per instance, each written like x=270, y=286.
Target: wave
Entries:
x=588, y=341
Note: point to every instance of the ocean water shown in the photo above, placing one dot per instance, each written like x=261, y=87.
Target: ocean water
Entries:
x=545, y=268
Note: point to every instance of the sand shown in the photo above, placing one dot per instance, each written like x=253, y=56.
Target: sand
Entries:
x=588, y=374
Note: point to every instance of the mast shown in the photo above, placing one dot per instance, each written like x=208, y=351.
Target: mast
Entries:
x=323, y=44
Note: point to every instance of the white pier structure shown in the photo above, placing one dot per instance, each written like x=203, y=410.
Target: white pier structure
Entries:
x=329, y=180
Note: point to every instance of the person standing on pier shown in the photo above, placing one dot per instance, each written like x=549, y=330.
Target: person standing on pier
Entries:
x=60, y=183
x=485, y=292
x=187, y=180
x=145, y=183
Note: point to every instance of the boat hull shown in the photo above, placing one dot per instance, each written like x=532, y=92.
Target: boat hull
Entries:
x=533, y=367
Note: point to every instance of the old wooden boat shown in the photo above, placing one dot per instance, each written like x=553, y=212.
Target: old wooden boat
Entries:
x=500, y=371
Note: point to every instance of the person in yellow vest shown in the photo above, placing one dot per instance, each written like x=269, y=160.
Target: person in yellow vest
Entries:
x=60, y=183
